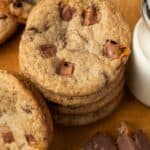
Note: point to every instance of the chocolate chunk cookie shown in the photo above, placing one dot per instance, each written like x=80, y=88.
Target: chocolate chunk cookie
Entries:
x=20, y=9
x=7, y=26
x=74, y=55
x=25, y=121
x=75, y=52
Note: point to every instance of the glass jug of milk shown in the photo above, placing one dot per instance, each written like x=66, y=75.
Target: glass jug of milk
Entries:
x=138, y=74
x=144, y=39
x=144, y=33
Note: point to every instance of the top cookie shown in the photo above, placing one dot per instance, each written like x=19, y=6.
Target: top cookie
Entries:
x=74, y=47
x=18, y=8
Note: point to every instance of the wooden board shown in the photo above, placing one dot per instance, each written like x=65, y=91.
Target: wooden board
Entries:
x=130, y=110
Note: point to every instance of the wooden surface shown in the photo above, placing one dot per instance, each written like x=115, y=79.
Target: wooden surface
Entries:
x=130, y=110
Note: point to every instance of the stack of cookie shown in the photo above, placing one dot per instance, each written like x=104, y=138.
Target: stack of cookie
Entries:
x=75, y=52
x=12, y=13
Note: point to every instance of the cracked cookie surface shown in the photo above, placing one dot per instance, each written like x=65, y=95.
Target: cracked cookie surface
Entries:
x=74, y=48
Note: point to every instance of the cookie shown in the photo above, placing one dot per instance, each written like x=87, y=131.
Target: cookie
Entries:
x=78, y=120
x=7, y=27
x=75, y=101
x=89, y=108
x=25, y=121
x=74, y=48
x=18, y=8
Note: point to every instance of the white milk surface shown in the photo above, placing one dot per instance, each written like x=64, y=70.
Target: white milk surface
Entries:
x=144, y=39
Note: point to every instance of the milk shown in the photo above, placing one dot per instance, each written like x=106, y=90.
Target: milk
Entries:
x=138, y=71
x=144, y=39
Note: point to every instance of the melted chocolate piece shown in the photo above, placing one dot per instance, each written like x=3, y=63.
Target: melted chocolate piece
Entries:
x=66, y=11
x=30, y=139
x=141, y=140
x=128, y=142
x=2, y=16
x=8, y=137
x=90, y=16
x=125, y=142
x=47, y=50
x=17, y=3
x=100, y=142
x=125, y=129
x=112, y=49
x=65, y=68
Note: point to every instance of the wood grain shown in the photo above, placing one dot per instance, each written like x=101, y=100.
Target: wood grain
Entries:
x=130, y=110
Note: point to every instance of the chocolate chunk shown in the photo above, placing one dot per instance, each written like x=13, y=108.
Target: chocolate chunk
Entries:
x=8, y=137
x=125, y=129
x=65, y=68
x=112, y=49
x=27, y=109
x=30, y=139
x=141, y=140
x=47, y=50
x=100, y=142
x=90, y=16
x=17, y=3
x=66, y=11
x=126, y=143
x=2, y=16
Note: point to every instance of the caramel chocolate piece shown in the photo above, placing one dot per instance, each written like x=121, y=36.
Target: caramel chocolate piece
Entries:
x=47, y=50
x=90, y=16
x=65, y=68
x=8, y=137
x=30, y=139
x=17, y=3
x=2, y=16
x=100, y=142
x=141, y=140
x=112, y=49
x=66, y=11
x=125, y=142
x=125, y=129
